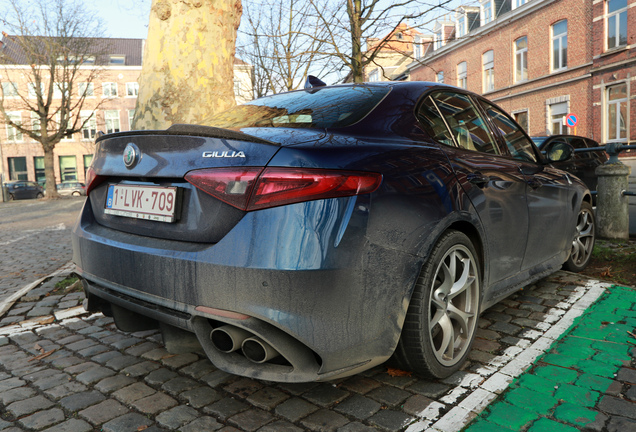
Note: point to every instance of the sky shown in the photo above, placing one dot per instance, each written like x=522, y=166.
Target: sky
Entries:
x=122, y=18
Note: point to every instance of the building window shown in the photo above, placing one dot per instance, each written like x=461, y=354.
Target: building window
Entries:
x=17, y=168
x=487, y=12
x=32, y=91
x=36, y=124
x=521, y=59
x=86, y=89
x=59, y=88
x=374, y=75
x=518, y=3
x=9, y=90
x=88, y=159
x=68, y=168
x=109, y=89
x=617, y=112
x=131, y=116
x=69, y=127
x=417, y=47
x=461, y=25
x=440, y=77
x=462, y=75
x=437, y=40
x=111, y=118
x=521, y=117
x=560, y=45
x=13, y=133
x=117, y=60
x=616, y=23
x=557, y=112
x=89, y=125
x=489, y=71
x=132, y=89
x=38, y=164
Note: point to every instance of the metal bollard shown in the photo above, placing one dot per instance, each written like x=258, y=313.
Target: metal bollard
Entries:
x=612, y=212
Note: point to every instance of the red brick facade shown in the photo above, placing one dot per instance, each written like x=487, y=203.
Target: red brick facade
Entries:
x=579, y=88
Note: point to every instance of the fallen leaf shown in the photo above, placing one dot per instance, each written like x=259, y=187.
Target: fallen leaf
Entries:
x=142, y=427
x=397, y=372
x=41, y=356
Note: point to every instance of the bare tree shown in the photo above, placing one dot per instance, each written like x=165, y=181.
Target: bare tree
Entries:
x=55, y=46
x=282, y=40
x=188, y=62
x=348, y=23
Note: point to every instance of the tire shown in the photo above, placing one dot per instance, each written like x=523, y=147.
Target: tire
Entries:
x=11, y=197
x=584, y=238
x=40, y=195
x=444, y=307
x=76, y=193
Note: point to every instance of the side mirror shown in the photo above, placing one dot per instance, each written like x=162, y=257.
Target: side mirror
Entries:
x=558, y=151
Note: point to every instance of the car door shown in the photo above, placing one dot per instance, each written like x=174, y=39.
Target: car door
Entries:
x=495, y=186
x=550, y=210
x=19, y=190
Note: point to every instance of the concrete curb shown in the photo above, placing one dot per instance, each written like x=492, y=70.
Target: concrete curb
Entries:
x=6, y=304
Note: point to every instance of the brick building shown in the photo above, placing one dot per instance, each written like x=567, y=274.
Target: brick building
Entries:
x=541, y=60
x=114, y=94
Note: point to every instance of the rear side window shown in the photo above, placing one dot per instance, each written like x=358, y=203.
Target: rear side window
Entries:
x=519, y=145
x=330, y=107
x=465, y=126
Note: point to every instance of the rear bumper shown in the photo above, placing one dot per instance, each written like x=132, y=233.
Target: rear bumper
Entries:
x=330, y=302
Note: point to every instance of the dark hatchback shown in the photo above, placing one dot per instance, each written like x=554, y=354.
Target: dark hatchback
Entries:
x=582, y=164
x=314, y=234
x=22, y=189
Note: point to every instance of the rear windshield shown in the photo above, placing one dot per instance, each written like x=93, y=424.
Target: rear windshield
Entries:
x=331, y=107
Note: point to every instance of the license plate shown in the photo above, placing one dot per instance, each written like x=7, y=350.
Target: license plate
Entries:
x=154, y=203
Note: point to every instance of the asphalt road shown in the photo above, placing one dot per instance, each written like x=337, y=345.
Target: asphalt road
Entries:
x=35, y=240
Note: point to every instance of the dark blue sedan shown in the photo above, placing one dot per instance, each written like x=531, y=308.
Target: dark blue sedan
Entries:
x=314, y=234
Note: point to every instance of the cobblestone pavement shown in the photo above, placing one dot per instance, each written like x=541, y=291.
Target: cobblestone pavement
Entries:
x=64, y=370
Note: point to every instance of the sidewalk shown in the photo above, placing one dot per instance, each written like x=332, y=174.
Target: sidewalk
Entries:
x=584, y=382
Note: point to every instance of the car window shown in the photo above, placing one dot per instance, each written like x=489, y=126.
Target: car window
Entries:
x=464, y=122
x=433, y=123
x=519, y=145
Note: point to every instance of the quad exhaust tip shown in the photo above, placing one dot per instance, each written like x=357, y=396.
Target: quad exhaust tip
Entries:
x=228, y=339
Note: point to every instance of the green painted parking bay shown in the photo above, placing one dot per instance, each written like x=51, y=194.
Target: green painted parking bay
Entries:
x=577, y=383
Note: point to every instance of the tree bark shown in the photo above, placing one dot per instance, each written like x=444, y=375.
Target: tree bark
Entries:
x=188, y=62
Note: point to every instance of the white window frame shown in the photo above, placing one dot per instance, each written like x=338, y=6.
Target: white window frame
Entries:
x=89, y=130
x=438, y=41
x=117, y=60
x=36, y=125
x=131, y=116
x=109, y=89
x=32, y=94
x=488, y=63
x=374, y=75
x=616, y=17
x=558, y=118
x=11, y=88
x=417, y=47
x=13, y=134
x=521, y=56
x=522, y=111
x=112, y=122
x=86, y=87
x=616, y=103
x=460, y=27
x=132, y=89
x=518, y=3
x=560, y=47
x=58, y=88
x=462, y=75
x=487, y=12
x=439, y=77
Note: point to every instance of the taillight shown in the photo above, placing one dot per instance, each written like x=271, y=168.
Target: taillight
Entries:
x=257, y=188
x=92, y=180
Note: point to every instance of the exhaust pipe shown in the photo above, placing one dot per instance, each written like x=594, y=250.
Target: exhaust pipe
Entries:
x=258, y=351
x=228, y=338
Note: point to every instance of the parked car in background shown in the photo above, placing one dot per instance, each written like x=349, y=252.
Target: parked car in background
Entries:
x=22, y=189
x=314, y=234
x=583, y=164
x=71, y=188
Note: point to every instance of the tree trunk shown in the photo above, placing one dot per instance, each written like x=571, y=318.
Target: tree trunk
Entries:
x=188, y=62
x=354, y=8
x=49, y=172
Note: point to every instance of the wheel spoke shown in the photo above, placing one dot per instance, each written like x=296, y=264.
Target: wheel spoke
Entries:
x=462, y=318
x=464, y=281
x=446, y=346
